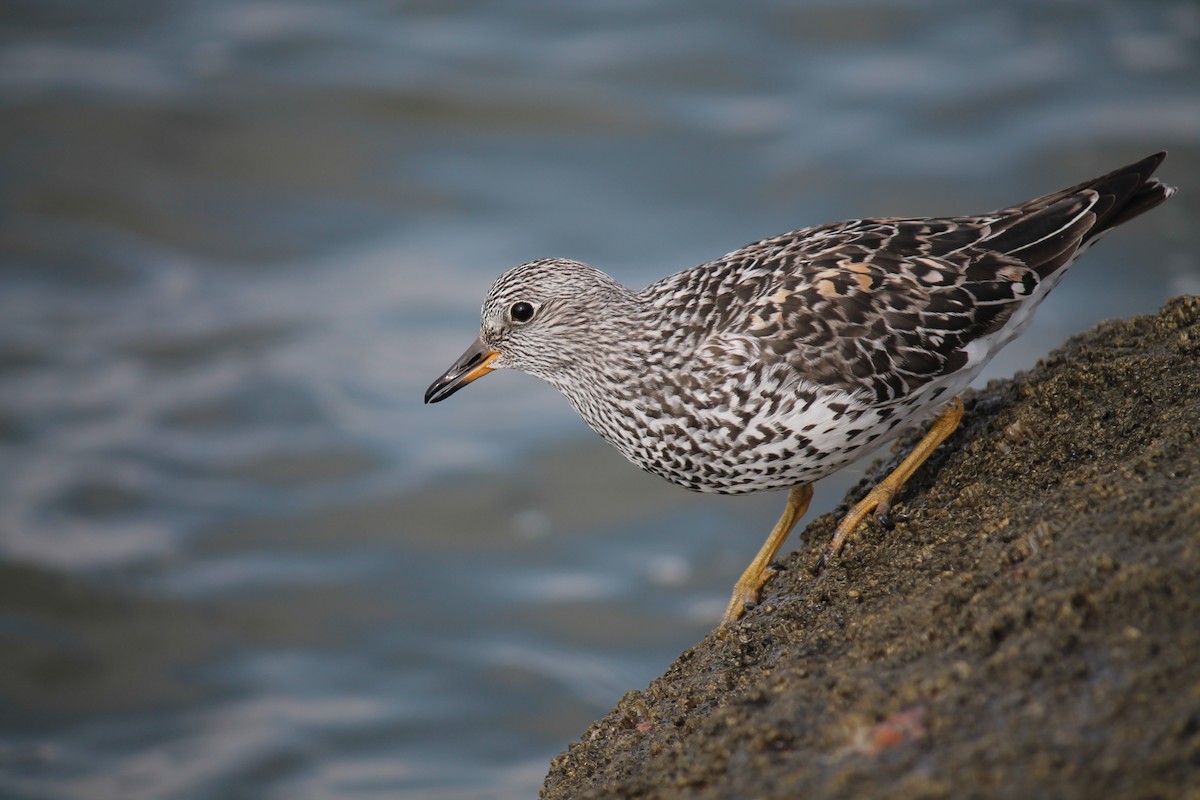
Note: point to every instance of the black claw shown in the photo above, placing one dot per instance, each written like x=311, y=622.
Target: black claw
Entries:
x=819, y=564
x=884, y=518
x=776, y=566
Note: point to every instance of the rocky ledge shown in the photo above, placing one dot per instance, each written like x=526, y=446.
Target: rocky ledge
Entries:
x=1030, y=627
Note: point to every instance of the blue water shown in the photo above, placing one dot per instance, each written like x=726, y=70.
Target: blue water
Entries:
x=238, y=556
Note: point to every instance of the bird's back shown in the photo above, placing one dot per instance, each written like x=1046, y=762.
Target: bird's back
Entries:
x=885, y=305
x=785, y=359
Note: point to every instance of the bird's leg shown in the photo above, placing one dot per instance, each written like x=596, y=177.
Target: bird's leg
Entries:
x=748, y=587
x=880, y=498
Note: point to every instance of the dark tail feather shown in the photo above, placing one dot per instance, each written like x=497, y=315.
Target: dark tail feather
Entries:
x=1147, y=194
x=1046, y=232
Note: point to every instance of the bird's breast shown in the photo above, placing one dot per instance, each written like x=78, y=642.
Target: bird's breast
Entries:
x=752, y=434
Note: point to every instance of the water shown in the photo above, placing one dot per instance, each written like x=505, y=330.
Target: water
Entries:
x=238, y=557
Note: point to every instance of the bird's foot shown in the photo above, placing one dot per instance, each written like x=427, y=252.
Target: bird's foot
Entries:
x=745, y=597
x=883, y=515
x=878, y=500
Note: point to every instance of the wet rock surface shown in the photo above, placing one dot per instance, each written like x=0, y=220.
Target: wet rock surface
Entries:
x=1030, y=627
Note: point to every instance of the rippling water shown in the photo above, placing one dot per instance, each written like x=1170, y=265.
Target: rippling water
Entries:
x=238, y=557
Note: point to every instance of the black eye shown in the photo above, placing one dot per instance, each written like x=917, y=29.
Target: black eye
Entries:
x=521, y=312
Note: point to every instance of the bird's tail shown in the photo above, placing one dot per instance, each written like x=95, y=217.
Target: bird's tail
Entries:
x=1046, y=233
x=1146, y=193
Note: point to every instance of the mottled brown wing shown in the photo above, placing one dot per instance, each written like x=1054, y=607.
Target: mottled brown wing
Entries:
x=881, y=312
x=886, y=305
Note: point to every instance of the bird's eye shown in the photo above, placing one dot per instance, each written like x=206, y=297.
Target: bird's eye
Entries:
x=521, y=312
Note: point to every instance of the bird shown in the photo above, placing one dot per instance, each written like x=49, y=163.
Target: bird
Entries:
x=778, y=364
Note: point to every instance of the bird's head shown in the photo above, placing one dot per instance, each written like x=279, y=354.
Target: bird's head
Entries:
x=541, y=318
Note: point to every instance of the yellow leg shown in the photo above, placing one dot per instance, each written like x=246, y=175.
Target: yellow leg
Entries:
x=880, y=498
x=749, y=586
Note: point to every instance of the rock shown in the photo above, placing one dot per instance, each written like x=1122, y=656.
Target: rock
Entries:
x=1031, y=627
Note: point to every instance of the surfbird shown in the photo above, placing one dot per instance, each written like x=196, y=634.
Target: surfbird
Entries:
x=783, y=361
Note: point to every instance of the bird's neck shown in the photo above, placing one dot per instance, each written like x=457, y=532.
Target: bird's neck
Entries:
x=608, y=380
